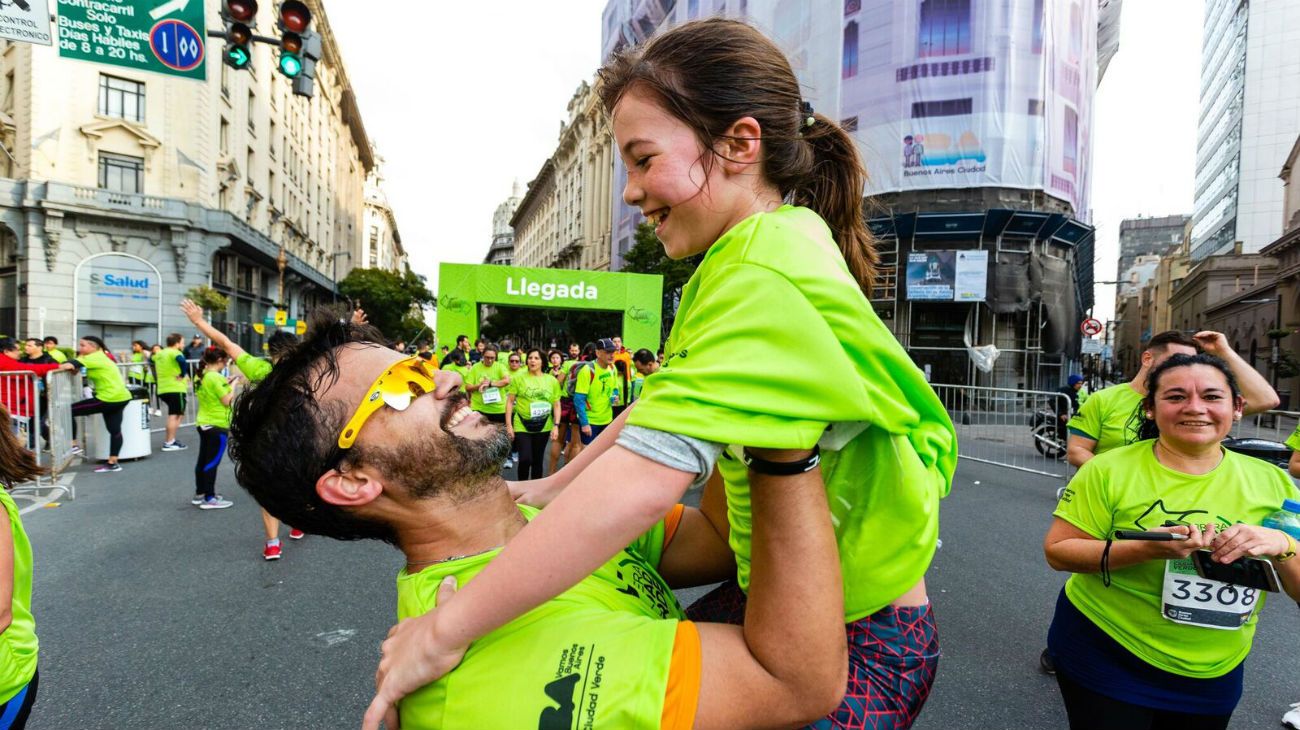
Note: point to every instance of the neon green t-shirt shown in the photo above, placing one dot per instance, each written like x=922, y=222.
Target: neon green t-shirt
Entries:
x=254, y=368
x=105, y=377
x=598, y=384
x=1128, y=489
x=492, y=400
x=212, y=388
x=137, y=371
x=598, y=655
x=1108, y=417
x=775, y=290
x=535, y=396
x=521, y=370
x=170, y=379
x=18, y=643
x=1294, y=440
x=58, y=355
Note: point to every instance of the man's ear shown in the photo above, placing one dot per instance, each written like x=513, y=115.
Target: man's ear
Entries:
x=741, y=145
x=353, y=488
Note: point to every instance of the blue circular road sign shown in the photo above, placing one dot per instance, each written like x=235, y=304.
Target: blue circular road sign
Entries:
x=176, y=44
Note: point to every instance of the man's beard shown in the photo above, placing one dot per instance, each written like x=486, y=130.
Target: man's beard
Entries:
x=451, y=466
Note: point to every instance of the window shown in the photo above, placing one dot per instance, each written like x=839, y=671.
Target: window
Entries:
x=271, y=140
x=1035, y=107
x=252, y=113
x=248, y=172
x=121, y=98
x=224, y=137
x=120, y=173
x=850, y=59
x=945, y=108
x=225, y=81
x=944, y=28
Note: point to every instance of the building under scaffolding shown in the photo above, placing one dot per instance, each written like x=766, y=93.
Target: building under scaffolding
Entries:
x=1024, y=332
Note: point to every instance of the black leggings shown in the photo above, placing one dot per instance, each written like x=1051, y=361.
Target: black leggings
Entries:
x=112, y=419
x=212, y=446
x=1089, y=710
x=531, y=448
x=14, y=717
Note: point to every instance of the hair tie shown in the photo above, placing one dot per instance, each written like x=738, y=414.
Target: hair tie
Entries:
x=806, y=111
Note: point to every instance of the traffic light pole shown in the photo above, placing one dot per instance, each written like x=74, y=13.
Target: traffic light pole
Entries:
x=253, y=39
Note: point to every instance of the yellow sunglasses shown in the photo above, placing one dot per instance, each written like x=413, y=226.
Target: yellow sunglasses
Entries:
x=403, y=382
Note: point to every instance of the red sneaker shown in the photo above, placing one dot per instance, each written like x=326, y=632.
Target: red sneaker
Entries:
x=296, y=534
x=271, y=552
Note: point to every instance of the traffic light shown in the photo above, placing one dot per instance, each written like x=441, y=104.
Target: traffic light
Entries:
x=240, y=17
x=293, y=19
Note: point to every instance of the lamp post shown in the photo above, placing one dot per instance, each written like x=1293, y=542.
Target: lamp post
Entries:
x=1275, y=357
x=334, y=293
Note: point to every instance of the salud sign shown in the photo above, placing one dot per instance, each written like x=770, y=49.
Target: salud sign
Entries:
x=26, y=22
x=164, y=36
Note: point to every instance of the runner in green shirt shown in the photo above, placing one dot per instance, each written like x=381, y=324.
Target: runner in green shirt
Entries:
x=215, y=396
x=596, y=392
x=532, y=415
x=1108, y=417
x=110, y=397
x=138, y=356
x=486, y=382
x=1141, y=602
x=52, y=348
x=611, y=652
x=173, y=385
x=18, y=644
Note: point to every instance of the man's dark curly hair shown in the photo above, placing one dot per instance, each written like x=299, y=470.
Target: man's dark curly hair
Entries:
x=282, y=439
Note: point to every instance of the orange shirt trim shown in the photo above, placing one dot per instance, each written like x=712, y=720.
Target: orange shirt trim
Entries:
x=683, y=693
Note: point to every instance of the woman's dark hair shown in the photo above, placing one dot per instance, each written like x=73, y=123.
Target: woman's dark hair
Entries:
x=95, y=341
x=552, y=353
x=1146, y=427
x=17, y=463
x=143, y=345
x=214, y=355
x=711, y=73
x=282, y=439
x=280, y=343
x=588, y=352
x=540, y=354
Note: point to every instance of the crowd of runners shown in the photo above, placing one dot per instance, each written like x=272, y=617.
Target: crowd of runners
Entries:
x=820, y=452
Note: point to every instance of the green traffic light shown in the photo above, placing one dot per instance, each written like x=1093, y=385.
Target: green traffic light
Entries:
x=290, y=65
x=237, y=56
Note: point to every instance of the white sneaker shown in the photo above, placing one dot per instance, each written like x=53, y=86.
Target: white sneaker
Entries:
x=1292, y=718
x=215, y=503
x=197, y=499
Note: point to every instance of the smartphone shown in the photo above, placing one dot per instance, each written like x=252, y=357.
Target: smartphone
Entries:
x=1155, y=536
x=1254, y=573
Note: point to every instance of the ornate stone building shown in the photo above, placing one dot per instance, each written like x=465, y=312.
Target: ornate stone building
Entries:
x=171, y=183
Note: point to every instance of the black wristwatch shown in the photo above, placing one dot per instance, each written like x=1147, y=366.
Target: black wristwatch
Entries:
x=782, y=468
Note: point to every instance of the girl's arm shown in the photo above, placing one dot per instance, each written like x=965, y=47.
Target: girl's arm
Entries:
x=218, y=337
x=540, y=492
x=581, y=530
x=1069, y=549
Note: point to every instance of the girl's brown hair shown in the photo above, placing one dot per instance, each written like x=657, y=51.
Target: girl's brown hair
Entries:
x=17, y=464
x=711, y=73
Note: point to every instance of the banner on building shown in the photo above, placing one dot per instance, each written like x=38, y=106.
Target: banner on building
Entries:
x=117, y=288
x=947, y=276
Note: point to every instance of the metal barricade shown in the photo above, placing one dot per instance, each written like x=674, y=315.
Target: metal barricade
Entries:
x=1017, y=429
x=134, y=375
x=62, y=389
x=1271, y=425
x=23, y=393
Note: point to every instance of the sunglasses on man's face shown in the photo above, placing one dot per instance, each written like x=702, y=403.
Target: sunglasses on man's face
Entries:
x=399, y=385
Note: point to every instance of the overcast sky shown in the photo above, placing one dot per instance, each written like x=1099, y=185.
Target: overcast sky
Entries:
x=463, y=98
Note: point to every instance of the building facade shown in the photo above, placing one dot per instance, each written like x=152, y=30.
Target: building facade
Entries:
x=383, y=244
x=563, y=221
x=502, y=249
x=1250, y=115
x=160, y=183
x=1147, y=237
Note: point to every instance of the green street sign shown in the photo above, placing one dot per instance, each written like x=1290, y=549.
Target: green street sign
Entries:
x=164, y=36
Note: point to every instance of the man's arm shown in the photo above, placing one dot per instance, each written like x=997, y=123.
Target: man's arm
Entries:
x=218, y=338
x=1078, y=449
x=1259, y=395
x=750, y=677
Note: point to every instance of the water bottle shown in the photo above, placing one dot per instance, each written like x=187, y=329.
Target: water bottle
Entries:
x=1286, y=519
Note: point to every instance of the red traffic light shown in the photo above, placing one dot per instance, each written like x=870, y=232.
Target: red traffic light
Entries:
x=294, y=16
x=242, y=11
x=239, y=34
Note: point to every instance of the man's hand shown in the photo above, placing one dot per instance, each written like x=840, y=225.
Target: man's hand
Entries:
x=192, y=311
x=586, y=430
x=411, y=659
x=510, y=431
x=66, y=366
x=1213, y=343
x=359, y=315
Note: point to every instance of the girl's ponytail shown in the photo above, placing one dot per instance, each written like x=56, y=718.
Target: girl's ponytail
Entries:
x=832, y=188
x=17, y=464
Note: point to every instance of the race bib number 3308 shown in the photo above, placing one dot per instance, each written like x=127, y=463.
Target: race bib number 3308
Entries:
x=1190, y=599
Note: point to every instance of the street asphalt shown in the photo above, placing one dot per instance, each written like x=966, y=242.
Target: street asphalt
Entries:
x=154, y=614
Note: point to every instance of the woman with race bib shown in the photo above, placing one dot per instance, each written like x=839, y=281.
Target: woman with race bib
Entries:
x=532, y=415
x=1139, y=639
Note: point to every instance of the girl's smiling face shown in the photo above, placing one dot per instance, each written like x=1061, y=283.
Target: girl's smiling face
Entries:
x=690, y=202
